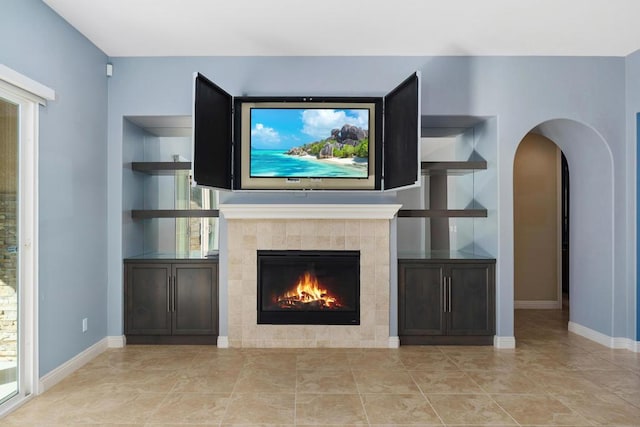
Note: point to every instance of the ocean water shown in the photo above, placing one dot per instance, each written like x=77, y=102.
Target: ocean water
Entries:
x=276, y=163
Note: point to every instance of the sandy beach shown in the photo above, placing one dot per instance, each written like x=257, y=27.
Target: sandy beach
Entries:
x=351, y=161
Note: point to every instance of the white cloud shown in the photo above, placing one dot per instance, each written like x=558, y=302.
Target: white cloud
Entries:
x=319, y=123
x=264, y=135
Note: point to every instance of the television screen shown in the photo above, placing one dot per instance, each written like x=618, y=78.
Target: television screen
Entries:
x=309, y=142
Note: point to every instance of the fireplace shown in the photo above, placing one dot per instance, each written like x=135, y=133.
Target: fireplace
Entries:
x=318, y=287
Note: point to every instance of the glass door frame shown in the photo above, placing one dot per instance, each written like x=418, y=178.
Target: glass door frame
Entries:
x=28, y=95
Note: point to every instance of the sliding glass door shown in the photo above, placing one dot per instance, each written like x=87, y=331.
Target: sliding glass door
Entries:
x=20, y=101
x=9, y=256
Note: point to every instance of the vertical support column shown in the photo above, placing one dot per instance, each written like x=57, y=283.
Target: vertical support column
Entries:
x=438, y=201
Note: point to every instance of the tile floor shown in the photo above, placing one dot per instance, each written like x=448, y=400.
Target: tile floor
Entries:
x=552, y=378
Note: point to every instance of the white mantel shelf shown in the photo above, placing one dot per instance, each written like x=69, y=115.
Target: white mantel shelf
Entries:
x=309, y=211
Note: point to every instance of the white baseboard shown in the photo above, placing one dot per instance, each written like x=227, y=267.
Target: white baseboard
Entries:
x=504, y=342
x=605, y=340
x=394, y=342
x=223, y=341
x=71, y=365
x=118, y=341
x=538, y=305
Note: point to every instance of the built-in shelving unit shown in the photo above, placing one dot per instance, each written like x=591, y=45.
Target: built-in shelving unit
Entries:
x=168, y=168
x=453, y=168
x=174, y=213
x=163, y=213
x=442, y=213
x=160, y=168
x=447, y=168
x=446, y=236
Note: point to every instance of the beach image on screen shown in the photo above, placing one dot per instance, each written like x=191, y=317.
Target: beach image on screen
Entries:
x=309, y=143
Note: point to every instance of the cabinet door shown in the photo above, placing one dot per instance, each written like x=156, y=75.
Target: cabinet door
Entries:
x=147, y=299
x=402, y=135
x=195, y=299
x=212, y=134
x=471, y=305
x=420, y=295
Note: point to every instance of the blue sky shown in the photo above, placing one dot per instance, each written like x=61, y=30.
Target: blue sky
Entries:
x=273, y=128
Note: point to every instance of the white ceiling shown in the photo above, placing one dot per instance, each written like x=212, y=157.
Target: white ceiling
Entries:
x=356, y=27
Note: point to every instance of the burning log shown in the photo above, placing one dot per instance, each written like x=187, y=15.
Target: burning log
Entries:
x=307, y=295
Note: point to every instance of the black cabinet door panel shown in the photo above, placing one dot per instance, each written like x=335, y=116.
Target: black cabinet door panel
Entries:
x=212, y=134
x=194, y=299
x=402, y=134
x=148, y=300
x=471, y=306
x=421, y=299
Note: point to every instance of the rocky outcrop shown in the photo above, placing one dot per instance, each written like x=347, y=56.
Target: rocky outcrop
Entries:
x=326, y=151
x=350, y=135
x=351, y=132
x=297, y=151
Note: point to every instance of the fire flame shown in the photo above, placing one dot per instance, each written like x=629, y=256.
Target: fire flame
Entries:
x=307, y=291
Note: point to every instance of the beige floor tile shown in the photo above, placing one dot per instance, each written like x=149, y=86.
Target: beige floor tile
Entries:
x=584, y=361
x=100, y=408
x=271, y=360
x=234, y=361
x=333, y=382
x=397, y=409
x=561, y=382
x=427, y=361
x=253, y=380
x=376, y=359
x=330, y=409
x=532, y=360
x=445, y=382
x=383, y=381
x=504, y=382
x=469, y=409
x=191, y=408
x=323, y=360
x=260, y=408
x=539, y=409
x=633, y=398
x=477, y=361
x=36, y=412
x=602, y=408
x=206, y=382
x=619, y=381
x=117, y=381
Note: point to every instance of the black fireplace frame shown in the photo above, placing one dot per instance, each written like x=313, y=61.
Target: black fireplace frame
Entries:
x=285, y=317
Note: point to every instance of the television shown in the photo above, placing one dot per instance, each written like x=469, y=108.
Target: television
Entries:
x=309, y=145
x=306, y=143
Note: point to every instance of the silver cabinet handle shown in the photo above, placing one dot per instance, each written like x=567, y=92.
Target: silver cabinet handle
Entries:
x=169, y=294
x=444, y=293
x=175, y=293
x=449, y=295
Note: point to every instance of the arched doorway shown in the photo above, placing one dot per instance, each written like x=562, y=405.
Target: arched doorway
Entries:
x=591, y=294
x=538, y=226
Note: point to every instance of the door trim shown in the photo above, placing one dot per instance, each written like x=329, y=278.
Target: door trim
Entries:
x=28, y=95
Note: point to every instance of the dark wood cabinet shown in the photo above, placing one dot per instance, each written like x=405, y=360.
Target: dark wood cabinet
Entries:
x=171, y=302
x=446, y=302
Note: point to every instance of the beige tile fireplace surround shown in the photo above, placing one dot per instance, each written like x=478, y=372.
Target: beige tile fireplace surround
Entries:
x=308, y=227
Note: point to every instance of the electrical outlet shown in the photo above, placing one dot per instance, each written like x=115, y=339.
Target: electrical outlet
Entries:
x=85, y=325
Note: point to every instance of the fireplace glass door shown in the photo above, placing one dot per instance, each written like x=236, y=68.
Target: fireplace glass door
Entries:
x=309, y=287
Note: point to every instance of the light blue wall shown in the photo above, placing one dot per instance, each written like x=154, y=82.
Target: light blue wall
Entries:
x=521, y=92
x=132, y=188
x=633, y=138
x=72, y=277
